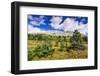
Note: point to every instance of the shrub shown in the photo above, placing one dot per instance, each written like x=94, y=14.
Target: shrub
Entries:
x=42, y=51
x=30, y=55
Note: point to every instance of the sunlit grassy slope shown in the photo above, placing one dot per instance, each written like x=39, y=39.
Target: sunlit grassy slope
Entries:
x=58, y=52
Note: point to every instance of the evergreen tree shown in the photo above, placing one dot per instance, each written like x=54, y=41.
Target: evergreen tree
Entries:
x=77, y=40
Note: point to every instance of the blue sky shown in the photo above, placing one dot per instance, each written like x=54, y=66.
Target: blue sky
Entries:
x=43, y=23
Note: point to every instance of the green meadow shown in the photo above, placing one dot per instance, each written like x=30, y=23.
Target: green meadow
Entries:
x=51, y=47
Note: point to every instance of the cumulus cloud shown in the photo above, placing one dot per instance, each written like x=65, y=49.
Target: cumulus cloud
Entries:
x=36, y=21
x=55, y=22
x=69, y=24
x=33, y=30
x=84, y=29
x=30, y=17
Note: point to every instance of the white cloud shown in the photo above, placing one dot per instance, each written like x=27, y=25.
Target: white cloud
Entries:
x=69, y=24
x=55, y=22
x=36, y=21
x=84, y=29
x=83, y=20
x=30, y=17
x=42, y=22
x=34, y=30
x=41, y=17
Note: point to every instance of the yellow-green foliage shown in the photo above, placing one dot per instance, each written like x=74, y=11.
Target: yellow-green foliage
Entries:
x=48, y=47
x=59, y=53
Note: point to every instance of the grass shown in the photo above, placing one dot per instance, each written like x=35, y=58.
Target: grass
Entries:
x=58, y=54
